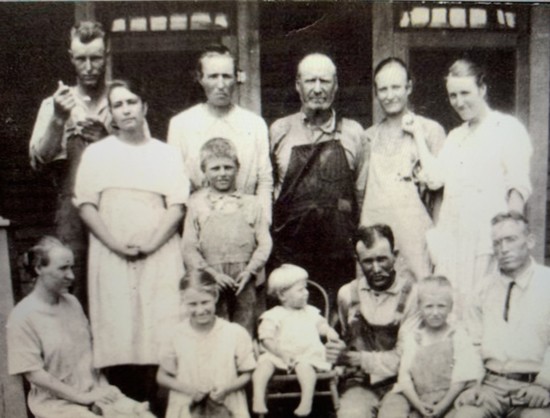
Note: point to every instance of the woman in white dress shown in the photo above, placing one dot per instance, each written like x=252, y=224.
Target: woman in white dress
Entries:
x=130, y=190
x=484, y=167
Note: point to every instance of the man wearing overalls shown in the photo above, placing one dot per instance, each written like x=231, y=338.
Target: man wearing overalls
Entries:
x=320, y=174
x=374, y=311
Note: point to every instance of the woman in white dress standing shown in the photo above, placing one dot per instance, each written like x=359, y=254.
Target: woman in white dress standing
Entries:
x=484, y=167
x=130, y=190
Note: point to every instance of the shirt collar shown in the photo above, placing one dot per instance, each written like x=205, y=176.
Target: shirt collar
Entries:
x=227, y=117
x=522, y=281
x=328, y=127
x=215, y=197
x=394, y=289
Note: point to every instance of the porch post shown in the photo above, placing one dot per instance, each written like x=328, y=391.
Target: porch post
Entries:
x=539, y=111
x=12, y=399
x=248, y=47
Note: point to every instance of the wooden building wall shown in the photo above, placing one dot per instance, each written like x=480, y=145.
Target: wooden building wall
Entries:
x=33, y=55
x=289, y=30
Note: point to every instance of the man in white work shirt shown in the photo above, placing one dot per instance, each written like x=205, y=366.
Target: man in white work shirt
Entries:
x=511, y=321
x=220, y=117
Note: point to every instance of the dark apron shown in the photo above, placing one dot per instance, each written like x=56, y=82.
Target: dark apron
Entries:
x=316, y=213
x=364, y=336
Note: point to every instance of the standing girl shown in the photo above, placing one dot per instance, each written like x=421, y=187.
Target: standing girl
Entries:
x=207, y=361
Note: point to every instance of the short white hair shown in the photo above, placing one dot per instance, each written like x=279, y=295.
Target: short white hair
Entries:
x=284, y=277
x=316, y=59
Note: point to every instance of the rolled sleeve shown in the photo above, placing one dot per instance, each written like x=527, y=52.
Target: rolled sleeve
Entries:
x=178, y=194
x=264, y=242
x=192, y=254
x=265, y=171
x=87, y=187
x=40, y=132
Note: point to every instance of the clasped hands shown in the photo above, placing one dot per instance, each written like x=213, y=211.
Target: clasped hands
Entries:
x=216, y=394
x=137, y=248
x=532, y=396
x=226, y=282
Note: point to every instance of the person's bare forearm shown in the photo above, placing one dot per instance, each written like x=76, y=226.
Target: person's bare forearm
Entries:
x=49, y=145
x=169, y=381
x=45, y=380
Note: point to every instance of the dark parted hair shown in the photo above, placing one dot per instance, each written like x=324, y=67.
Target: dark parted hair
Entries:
x=369, y=234
x=213, y=50
x=391, y=60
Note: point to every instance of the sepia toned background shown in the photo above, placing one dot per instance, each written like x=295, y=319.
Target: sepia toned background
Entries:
x=158, y=42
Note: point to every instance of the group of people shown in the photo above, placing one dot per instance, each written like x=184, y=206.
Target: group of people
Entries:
x=419, y=239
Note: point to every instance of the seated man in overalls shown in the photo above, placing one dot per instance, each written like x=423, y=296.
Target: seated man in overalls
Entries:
x=374, y=310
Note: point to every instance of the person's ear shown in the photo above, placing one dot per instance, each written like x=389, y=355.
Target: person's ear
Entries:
x=531, y=241
x=483, y=91
x=409, y=87
x=145, y=108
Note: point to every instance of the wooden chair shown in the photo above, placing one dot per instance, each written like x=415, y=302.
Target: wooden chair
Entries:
x=285, y=386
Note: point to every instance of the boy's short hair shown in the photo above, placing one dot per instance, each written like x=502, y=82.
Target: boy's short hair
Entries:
x=218, y=148
x=434, y=282
x=284, y=277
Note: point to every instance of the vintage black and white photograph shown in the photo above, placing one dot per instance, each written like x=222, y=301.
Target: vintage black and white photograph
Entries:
x=274, y=208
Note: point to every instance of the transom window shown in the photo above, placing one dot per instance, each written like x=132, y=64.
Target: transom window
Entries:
x=171, y=16
x=455, y=16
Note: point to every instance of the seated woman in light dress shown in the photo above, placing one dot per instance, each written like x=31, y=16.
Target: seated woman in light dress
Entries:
x=50, y=344
x=484, y=166
x=131, y=190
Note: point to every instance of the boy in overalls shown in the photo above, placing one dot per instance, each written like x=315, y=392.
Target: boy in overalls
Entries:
x=226, y=233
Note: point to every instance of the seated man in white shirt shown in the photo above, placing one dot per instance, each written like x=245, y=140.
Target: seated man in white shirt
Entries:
x=511, y=322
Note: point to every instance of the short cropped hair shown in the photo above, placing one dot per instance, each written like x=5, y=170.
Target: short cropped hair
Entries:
x=392, y=60
x=218, y=148
x=199, y=280
x=284, y=277
x=466, y=68
x=318, y=55
x=368, y=235
x=39, y=254
x=87, y=30
x=431, y=283
x=211, y=51
x=512, y=215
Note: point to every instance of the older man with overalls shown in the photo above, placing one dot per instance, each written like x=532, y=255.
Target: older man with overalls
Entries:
x=375, y=310
x=320, y=174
